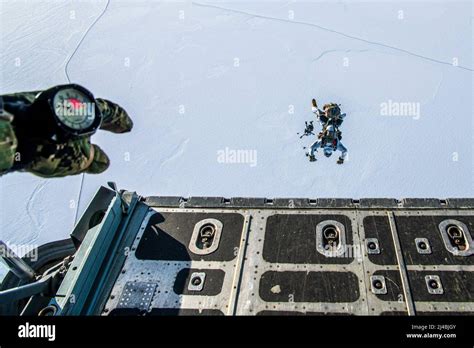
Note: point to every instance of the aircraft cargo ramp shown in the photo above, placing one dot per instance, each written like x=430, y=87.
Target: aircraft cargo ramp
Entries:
x=299, y=256
x=250, y=256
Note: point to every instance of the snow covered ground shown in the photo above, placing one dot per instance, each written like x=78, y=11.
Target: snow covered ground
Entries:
x=203, y=79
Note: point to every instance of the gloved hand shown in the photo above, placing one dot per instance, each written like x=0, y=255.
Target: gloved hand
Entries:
x=48, y=158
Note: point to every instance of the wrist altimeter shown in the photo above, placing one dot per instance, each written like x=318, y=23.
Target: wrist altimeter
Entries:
x=67, y=111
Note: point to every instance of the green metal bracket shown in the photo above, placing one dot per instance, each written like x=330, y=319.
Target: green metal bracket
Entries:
x=79, y=293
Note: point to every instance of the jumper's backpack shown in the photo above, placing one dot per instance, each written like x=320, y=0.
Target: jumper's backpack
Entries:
x=329, y=135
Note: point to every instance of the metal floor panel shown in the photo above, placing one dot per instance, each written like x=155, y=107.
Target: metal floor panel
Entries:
x=167, y=262
x=271, y=261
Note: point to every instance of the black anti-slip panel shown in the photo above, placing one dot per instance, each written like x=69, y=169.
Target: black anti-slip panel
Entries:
x=291, y=238
x=457, y=286
x=379, y=227
x=167, y=237
x=411, y=227
x=393, y=284
x=309, y=287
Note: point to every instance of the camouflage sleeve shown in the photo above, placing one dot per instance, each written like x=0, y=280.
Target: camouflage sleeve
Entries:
x=27, y=97
x=8, y=139
x=100, y=162
x=73, y=157
x=115, y=118
x=8, y=145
